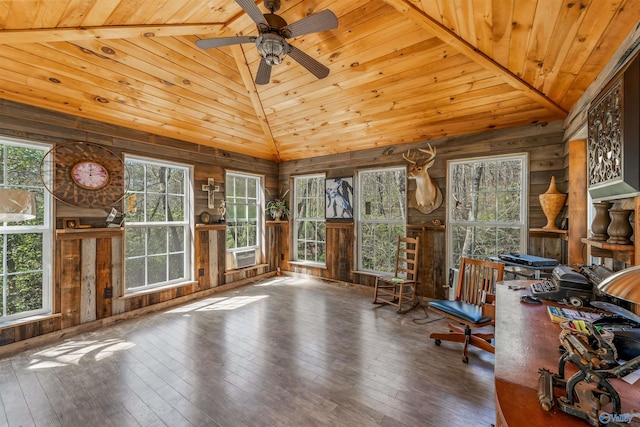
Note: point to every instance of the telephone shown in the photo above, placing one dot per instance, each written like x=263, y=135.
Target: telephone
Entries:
x=566, y=285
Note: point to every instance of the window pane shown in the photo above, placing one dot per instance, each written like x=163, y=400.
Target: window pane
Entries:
x=244, y=210
x=25, y=255
x=135, y=273
x=24, y=293
x=136, y=173
x=176, y=266
x=381, y=213
x=310, y=232
x=487, y=197
x=156, y=208
x=509, y=205
x=136, y=242
x=156, y=177
x=176, y=208
x=176, y=239
x=176, y=181
x=156, y=240
x=157, y=254
x=157, y=269
x=20, y=252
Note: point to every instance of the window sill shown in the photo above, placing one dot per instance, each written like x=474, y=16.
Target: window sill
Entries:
x=308, y=264
x=27, y=320
x=368, y=273
x=155, y=290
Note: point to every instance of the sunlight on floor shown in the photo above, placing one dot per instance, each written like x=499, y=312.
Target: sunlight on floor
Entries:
x=212, y=304
x=71, y=352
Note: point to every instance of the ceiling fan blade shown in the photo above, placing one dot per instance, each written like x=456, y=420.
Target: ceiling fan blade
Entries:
x=264, y=73
x=321, y=21
x=224, y=41
x=316, y=68
x=252, y=10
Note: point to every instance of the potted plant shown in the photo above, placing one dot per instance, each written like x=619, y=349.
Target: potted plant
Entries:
x=278, y=207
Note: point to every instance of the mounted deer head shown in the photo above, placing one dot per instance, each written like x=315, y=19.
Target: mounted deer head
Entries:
x=427, y=196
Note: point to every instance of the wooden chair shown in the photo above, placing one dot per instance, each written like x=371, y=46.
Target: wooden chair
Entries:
x=473, y=307
x=400, y=289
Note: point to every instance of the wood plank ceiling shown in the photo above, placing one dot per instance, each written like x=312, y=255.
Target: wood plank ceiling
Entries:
x=400, y=70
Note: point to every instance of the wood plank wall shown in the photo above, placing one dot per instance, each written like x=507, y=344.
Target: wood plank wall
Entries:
x=542, y=142
x=89, y=263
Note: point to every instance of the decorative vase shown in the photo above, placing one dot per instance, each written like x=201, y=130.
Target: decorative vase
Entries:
x=601, y=221
x=552, y=202
x=620, y=229
x=276, y=214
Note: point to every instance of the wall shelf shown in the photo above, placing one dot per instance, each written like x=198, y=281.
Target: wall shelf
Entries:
x=623, y=253
x=545, y=232
x=88, y=233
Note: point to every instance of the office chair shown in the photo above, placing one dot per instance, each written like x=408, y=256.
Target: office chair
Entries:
x=400, y=289
x=473, y=307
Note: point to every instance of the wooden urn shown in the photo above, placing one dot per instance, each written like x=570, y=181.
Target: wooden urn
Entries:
x=552, y=202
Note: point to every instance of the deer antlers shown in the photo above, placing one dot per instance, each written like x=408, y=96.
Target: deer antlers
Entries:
x=411, y=159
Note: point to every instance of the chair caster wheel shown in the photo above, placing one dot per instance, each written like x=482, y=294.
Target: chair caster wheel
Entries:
x=437, y=342
x=465, y=359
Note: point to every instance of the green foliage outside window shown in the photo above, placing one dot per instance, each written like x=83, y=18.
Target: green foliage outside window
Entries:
x=311, y=233
x=243, y=210
x=486, y=207
x=156, y=226
x=24, y=277
x=382, y=217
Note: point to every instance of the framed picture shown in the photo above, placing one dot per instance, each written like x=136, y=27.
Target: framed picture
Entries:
x=70, y=222
x=339, y=197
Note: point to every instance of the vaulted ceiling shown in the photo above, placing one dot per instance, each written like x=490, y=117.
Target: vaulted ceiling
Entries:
x=401, y=71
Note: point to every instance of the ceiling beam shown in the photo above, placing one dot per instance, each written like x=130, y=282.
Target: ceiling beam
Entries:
x=47, y=35
x=452, y=39
x=247, y=78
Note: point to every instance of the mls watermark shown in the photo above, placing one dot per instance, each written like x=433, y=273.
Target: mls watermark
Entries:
x=606, y=418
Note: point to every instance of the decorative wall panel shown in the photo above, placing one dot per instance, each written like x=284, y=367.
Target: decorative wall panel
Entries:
x=613, y=144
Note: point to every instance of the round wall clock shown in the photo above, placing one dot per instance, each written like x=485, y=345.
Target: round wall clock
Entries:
x=84, y=174
x=90, y=175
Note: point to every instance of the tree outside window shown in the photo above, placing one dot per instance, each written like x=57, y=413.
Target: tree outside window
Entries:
x=244, y=212
x=381, y=217
x=25, y=253
x=487, y=207
x=309, y=222
x=158, y=224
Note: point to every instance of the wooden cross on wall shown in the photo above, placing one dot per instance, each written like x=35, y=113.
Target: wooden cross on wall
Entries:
x=210, y=188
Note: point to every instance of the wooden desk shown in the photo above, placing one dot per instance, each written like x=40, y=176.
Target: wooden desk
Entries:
x=527, y=340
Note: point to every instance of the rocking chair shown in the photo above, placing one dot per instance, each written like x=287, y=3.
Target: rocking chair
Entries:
x=400, y=289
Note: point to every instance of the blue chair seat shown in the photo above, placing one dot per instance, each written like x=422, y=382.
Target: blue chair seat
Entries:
x=462, y=310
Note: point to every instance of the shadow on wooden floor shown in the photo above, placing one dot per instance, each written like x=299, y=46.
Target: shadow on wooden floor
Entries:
x=282, y=351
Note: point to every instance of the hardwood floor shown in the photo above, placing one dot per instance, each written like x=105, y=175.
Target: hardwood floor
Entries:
x=283, y=351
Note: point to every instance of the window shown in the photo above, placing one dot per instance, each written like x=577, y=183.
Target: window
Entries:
x=310, y=233
x=244, y=212
x=25, y=246
x=158, y=224
x=487, y=207
x=381, y=217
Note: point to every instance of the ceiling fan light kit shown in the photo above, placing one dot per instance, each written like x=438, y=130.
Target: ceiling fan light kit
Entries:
x=271, y=43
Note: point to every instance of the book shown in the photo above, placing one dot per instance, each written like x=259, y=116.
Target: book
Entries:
x=562, y=314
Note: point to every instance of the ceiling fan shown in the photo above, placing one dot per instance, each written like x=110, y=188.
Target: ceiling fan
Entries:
x=271, y=43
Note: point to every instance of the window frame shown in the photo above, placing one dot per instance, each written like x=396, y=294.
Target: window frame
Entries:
x=187, y=222
x=297, y=220
x=45, y=229
x=259, y=205
x=361, y=222
x=524, y=197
